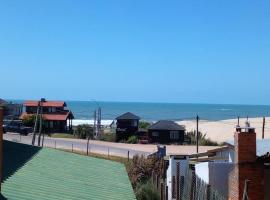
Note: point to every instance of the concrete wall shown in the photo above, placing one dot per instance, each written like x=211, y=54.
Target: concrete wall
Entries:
x=219, y=177
x=215, y=174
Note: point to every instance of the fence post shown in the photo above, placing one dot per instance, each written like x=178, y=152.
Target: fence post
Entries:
x=161, y=191
x=193, y=186
x=55, y=144
x=166, y=195
x=153, y=178
x=208, y=192
x=177, y=181
x=157, y=180
x=108, y=152
x=173, y=187
x=128, y=155
x=72, y=147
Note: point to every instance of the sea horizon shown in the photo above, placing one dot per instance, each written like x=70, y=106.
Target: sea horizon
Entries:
x=84, y=110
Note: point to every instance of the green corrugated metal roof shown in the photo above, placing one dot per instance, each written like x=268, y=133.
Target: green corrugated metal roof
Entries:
x=56, y=175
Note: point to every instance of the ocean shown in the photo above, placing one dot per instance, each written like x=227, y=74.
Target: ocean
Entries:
x=84, y=110
x=171, y=111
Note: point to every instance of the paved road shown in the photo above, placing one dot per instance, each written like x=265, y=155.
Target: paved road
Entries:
x=80, y=145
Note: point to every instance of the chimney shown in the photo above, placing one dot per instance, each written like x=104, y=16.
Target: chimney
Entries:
x=246, y=168
x=245, y=144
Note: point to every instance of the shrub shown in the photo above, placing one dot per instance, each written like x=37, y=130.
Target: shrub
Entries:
x=144, y=125
x=84, y=131
x=202, y=139
x=147, y=191
x=29, y=120
x=132, y=139
x=140, y=169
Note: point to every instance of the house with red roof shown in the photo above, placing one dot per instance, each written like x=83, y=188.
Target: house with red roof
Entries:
x=55, y=116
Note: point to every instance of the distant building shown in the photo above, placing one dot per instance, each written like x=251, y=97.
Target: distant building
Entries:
x=126, y=126
x=11, y=110
x=56, y=118
x=166, y=131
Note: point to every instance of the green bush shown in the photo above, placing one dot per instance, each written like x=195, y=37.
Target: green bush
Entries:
x=147, y=191
x=84, y=131
x=132, y=139
x=144, y=125
x=203, y=141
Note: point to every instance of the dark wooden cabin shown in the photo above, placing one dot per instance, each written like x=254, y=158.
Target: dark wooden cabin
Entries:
x=126, y=126
x=165, y=132
x=55, y=117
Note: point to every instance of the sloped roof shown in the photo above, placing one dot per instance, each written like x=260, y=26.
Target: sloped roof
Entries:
x=166, y=125
x=46, y=103
x=53, y=116
x=53, y=174
x=127, y=116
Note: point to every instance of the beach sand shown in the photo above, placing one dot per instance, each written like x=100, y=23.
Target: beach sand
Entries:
x=222, y=131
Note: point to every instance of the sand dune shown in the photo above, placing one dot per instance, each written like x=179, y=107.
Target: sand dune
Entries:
x=223, y=130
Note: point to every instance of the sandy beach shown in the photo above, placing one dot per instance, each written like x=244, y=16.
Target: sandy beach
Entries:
x=223, y=130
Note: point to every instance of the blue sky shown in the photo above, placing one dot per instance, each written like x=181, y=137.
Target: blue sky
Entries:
x=147, y=51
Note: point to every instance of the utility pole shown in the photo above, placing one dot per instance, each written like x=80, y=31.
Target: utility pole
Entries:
x=40, y=123
x=99, y=122
x=238, y=121
x=95, y=124
x=36, y=123
x=197, y=135
x=1, y=145
x=263, y=128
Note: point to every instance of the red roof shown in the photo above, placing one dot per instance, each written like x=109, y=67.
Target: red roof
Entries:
x=53, y=117
x=46, y=103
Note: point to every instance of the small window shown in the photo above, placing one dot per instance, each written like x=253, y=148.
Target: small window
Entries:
x=155, y=134
x=174, y=135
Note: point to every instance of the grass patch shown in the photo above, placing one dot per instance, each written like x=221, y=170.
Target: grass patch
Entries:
x=62, y=135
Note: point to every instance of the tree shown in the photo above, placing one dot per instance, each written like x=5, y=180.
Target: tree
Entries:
x=29, y=120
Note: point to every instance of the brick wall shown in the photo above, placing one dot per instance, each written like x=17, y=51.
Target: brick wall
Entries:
x=245, y=147
x=246, y=168
x=253, y=172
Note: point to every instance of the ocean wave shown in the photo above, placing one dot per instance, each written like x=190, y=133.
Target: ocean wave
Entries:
x=77, y=122
x=225, y=109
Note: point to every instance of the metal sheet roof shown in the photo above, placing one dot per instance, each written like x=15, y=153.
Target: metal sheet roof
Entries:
x=52, y=174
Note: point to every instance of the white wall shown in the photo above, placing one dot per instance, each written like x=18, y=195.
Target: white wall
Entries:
x=215, y=174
